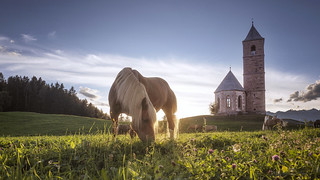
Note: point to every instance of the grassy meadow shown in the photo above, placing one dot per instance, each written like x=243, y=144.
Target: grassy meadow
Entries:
x=278, y=154
x=33, y=124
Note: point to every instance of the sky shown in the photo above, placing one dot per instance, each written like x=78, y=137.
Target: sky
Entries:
x=191, y=44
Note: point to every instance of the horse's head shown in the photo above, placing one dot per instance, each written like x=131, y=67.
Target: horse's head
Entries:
x=145, y=128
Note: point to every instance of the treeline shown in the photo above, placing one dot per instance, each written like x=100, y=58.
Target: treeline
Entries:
x=35, y=95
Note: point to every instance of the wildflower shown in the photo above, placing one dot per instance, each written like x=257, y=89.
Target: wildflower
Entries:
x=195, y=149
x=211, y=151
x=255, y=161
x=236, y=147
x=275, y=158
x=50, y=162
x=233, y=166
x=173, y=163
x=228, y=159
x=160, y=166
x=310, y=154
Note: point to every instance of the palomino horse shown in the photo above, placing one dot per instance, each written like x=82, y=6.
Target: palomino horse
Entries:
x=269, y=122
x=209, y=128
x=141, y=98
x=195, y=128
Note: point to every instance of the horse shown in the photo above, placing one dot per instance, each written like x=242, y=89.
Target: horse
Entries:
x=269, y=122
x=195, y=128
x=209, y=128
x=141, y=97
x=316, y=123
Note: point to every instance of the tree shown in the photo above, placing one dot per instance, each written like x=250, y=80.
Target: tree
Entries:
x=22, y=94
x=5, y=99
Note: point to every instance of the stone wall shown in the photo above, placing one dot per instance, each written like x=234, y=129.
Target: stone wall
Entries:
x=221, y=101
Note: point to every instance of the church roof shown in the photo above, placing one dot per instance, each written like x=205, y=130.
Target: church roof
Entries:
x=229, y=83
x=253, y=34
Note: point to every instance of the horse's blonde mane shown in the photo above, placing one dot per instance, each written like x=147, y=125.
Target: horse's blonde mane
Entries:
x=130, y=93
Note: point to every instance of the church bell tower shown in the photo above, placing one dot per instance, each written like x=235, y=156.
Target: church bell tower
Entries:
x=253, y=72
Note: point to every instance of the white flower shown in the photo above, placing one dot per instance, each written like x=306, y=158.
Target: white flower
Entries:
x=236, y=147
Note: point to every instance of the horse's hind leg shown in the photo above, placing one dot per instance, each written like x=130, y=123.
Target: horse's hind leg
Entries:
x=171, y=121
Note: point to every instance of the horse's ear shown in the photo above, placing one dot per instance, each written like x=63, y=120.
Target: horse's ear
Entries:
x=144, y=104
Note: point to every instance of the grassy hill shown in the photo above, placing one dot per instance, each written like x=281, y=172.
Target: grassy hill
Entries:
x=233, y=122
x=226, y=123
x=28, y=123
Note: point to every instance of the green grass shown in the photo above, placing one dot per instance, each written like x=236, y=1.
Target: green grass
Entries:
x=28, y=123
x=219, y=155
x=278, y=154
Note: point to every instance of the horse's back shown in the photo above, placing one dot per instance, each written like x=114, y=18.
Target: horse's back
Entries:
x=160, y=93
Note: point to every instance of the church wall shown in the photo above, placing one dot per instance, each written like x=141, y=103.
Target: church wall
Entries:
x=233, y=95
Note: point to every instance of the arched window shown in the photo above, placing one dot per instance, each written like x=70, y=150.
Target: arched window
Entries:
x=218, y=105
x=239, y=102
x=228, y=102
x=253, y=50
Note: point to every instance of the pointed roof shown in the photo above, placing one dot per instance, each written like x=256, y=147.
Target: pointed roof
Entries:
x=229, y=83
x=253, y=34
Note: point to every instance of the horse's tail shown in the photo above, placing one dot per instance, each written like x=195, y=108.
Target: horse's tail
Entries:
x=174, y=102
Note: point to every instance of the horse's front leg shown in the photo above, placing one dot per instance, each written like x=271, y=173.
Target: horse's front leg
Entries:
x=114, y=118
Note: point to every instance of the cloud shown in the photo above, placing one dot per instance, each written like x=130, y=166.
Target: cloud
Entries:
x=52, y=35
x=93, y=96
x=277, y=100
x=5, y=50
x=3, y=38
x=312, y=92
x=28, y=38
x=87, y=92
x=6, y=39
x=193, y=82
